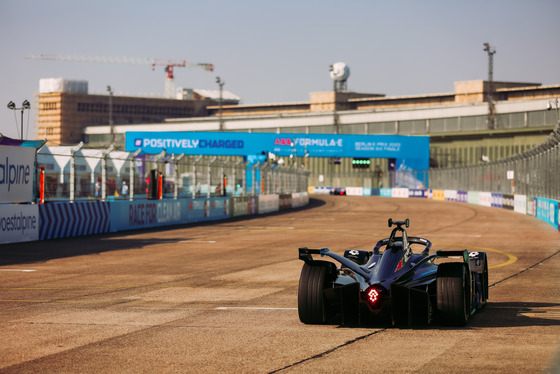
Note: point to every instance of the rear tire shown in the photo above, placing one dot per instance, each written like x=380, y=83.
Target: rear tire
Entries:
x=453, y=285
x=315, y=277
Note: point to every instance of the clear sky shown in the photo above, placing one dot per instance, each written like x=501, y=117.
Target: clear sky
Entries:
x=275, y=51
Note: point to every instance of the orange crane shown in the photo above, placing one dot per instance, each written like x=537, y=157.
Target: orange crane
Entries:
x=168, y=63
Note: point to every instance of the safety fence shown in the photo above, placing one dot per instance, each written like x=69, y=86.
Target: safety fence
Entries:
x=75, y=174
x=535, y=172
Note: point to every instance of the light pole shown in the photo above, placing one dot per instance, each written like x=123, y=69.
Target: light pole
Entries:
x=221, y=84
x=111, y=114
x=24, y=105
x=491, y=51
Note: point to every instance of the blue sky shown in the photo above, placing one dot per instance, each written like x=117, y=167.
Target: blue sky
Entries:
x=276, y=51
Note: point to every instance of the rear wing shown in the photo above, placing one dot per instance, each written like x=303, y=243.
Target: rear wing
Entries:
x=446, y=254
x=305, y=254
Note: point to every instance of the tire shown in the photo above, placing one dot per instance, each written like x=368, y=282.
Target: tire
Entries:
x=315, y=277
x=453, y=284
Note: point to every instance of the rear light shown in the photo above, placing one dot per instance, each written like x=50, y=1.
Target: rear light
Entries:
x=373, y=295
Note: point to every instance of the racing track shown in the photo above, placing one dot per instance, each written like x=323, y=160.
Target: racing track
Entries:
x=222, y=297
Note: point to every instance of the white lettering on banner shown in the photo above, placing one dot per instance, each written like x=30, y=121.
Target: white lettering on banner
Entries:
x=16, y=174
x=318, y=142
x=378, y=146
x=19, y=223
x=171, y=143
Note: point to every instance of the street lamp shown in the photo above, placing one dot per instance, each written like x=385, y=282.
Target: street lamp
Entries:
x=111, y=126
x=24, y=105
x=221, y=84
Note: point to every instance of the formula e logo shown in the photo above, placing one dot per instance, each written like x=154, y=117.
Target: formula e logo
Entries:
x=138, y=142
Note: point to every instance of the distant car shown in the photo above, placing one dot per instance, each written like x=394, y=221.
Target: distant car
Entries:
x=338, y=191
x=392, y=284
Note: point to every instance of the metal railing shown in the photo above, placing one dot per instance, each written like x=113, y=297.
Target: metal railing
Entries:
x=535, y=172
x=74, y=174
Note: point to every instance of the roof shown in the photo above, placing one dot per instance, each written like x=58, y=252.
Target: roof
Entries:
x=215, y=94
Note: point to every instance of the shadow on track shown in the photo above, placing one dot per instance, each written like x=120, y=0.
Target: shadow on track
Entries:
x=42, y=251
x=516, y=314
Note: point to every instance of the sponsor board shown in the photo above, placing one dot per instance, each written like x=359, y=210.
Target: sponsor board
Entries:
x=462, y=196
x=419, y=193
x=268, y=203
x=496, y=200
x=354, y=191
x=130, y=215
x=19, y=223
x=438, y=195
x=450, y=195
x=285, y=201
x=507, y=201
x=17, y=168
x=520, y=204
x=547, y=210
x=485, y=199
x=299, y=199
x=400, y=192
x=473, y=197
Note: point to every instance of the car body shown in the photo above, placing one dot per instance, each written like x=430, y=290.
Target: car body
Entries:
x=338, y=191
x=392, y=284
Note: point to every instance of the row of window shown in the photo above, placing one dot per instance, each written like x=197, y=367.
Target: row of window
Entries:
x=135, y=109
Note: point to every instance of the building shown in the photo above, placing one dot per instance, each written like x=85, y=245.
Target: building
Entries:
x=66, y=108
x=462, y=129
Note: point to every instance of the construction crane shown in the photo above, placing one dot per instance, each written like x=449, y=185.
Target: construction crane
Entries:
x=168, y=63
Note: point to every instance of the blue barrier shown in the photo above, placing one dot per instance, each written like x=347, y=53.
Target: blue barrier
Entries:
x=61, y=220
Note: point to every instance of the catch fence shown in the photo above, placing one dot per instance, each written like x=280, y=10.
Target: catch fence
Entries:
x=535, y=172
x=76, y=174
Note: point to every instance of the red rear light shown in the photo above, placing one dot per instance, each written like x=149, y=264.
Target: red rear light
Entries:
x=342, y=192
x=372, y=295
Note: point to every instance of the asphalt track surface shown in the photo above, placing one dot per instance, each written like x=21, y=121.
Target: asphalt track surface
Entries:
x=222, y=297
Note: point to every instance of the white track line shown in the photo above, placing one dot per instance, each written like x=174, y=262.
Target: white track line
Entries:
x=250, y=308
x=22, y=270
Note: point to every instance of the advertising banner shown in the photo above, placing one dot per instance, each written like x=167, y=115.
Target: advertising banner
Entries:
x=17, y=167
x=410, y=152
x=19, y=223
x=507, y=201
x=268, y=203
x=421, y=193
x=354, y=191
x=130, y=215
x=520, y=204
x=547, y=210
x=485, y=199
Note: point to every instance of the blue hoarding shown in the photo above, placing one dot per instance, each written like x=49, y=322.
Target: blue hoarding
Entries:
x=411, y=152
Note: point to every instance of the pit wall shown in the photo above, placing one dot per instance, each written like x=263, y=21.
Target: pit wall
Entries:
x=30, y=222
x=541, y=208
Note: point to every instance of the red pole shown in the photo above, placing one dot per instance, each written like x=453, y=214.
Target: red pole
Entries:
x=42, y=186
x=160, y=185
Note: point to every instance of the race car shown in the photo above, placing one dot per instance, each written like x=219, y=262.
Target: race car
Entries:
x=392, y=284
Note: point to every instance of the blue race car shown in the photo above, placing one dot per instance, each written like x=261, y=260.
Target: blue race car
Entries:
x=392, y=284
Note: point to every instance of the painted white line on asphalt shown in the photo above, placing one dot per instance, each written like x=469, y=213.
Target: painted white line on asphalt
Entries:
x=251, y=308
x=198, y=241
x=22, y=270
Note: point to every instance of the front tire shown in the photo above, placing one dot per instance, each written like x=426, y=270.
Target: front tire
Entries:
x=453, y=294
x=315, y=277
